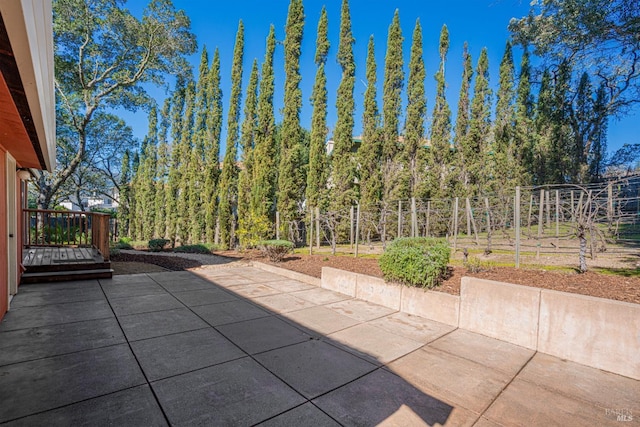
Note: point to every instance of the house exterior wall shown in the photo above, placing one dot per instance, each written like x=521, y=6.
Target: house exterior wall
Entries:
x=4, y=265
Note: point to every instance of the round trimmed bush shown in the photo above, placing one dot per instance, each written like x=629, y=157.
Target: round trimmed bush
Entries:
x=415, y=261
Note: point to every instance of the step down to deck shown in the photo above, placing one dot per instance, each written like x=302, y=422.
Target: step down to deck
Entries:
x=60, y=276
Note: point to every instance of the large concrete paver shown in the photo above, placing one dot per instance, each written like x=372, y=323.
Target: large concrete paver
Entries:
x=240, y=392
x=321, y=296
x=212, y=295
x=158, y=323
x=144, y=304
x=373, y=343
x=490, y=352
x=229, y=312
x=412, y=327
x=526, y=404
x=456, y=380
x=314, y=367
x=258, y=335
x=283, y=303
x=54, y=314
x=303, y=415
x=131, y=407
x=165, y=356
x=320, y=320
x=44, y=384
x=46, y=341
x=384, y=398
x=600, y=388
x=362, y=311
x=35, y=295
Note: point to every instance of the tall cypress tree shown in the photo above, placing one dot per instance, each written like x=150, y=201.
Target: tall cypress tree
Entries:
x=391, y=108
x=290, y=172
x=162, y=167
x=440, y=182
x=143, y=184
x=263, y=189
x=479, y=129
x=317, y=176
x=561, y=149
x=247, y=138
x=228, y=189
x=462, y=119
x=507, y=173
x=414, y=151
x=524, y=138
x=544, y=134
x=124, y=214
x=212, y=147
x=173, y=180
x=197, y=158
x=370, y=153
x=343, y=165
x=597, y=155
x=186, y=169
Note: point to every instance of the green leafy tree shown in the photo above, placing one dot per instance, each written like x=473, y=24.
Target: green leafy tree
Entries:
x=228, y=187
x=104, y=56
x=317, y=176
x=290, y=171
x=462, y=121
x=543, y=125
x=392, y=109
x=440, y=159
x=263, y=190
x=414, y=143
x=370, y=152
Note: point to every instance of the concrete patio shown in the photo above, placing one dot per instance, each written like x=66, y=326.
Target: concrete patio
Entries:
x=242, y=346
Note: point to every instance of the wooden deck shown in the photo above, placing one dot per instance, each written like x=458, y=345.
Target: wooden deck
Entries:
x=56, y=256
x=48, y=264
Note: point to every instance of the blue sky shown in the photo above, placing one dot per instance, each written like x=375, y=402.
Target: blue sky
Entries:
x=482, y=23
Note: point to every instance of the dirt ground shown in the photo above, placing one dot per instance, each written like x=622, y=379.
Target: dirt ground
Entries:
x=617, y=287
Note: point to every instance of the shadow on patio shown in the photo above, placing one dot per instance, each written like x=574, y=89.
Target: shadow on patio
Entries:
x=180, y=349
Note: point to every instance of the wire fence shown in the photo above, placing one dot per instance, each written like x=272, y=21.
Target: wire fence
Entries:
x=544, y=220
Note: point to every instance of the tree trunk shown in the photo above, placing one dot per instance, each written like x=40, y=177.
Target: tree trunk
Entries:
x=582, y=237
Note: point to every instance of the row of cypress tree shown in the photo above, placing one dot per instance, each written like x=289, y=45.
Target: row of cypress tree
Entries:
x=177, y=188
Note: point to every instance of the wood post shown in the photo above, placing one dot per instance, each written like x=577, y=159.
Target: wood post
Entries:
x=414, y=218
x=351, y=227
x=399, y=219
x=455, y=223
x=429, y=214
x=516, y=220
x=471, y=219
x=310, y=231
x=317, y=227
x=357, y=229
x=277, y=225
x=557, y=216
x=540, y=222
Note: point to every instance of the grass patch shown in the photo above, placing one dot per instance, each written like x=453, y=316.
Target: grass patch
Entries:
x=624, y=272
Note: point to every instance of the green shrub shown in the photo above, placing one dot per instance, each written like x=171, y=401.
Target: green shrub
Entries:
x=418, y=261
x=194, y=249
x=123, y=243
x=156, y=245
x=276, y=250
x=476, y=265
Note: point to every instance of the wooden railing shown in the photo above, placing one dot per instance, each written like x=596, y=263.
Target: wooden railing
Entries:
x=66, y=228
